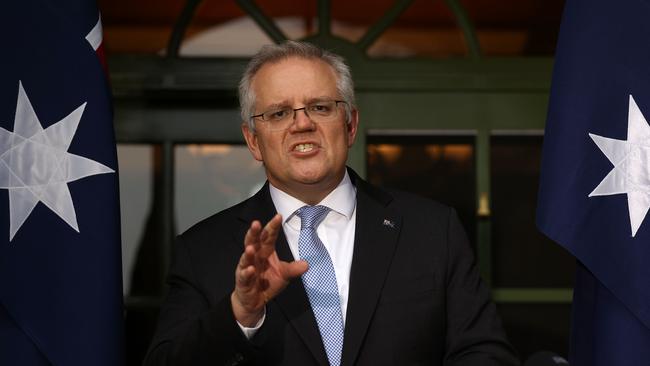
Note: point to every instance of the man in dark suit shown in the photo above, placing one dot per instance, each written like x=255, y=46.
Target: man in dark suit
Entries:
x=341, y=272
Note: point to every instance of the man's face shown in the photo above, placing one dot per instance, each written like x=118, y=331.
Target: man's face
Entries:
x=306, y=160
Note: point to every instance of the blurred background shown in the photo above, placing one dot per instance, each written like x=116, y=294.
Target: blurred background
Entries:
x=452, y=97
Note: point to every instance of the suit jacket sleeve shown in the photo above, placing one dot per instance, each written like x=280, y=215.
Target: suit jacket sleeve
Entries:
x=474, y=332
x=193, y=329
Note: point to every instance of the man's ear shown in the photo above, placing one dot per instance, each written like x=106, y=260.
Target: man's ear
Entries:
x=352, y=126
x=251, y=141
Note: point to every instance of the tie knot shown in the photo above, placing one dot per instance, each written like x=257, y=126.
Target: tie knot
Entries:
x=311, y=216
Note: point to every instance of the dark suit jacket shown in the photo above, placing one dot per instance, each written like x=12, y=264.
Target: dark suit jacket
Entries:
x=415, y=294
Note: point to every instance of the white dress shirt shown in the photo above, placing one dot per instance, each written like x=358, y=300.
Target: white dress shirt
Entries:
x=336, y=232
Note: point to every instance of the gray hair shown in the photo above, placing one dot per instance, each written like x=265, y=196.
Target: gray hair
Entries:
x=276, y=52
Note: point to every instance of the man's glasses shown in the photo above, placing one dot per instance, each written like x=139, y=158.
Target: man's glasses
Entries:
x=281, y=118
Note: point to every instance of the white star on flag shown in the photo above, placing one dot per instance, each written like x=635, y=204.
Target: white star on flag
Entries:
x=35, y=165
x=631, y=172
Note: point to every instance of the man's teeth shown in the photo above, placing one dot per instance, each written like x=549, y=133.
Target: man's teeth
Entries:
x=304, y=147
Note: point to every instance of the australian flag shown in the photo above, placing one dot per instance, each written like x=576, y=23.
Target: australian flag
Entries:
x=595, y=186
x=60, y=271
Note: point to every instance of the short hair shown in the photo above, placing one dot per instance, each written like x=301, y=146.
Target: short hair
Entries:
x=273, y=53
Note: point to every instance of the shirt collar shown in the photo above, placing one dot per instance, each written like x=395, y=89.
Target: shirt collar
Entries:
x=341, y=200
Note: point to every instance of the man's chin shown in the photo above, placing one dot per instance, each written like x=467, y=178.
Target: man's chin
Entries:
x=310, y=180
x=320, y=181
x=308, y=174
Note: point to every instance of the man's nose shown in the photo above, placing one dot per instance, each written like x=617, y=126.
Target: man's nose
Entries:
x=301, y=121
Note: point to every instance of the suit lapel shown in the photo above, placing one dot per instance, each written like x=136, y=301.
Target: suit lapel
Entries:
x=293, y=300
x=376, y=235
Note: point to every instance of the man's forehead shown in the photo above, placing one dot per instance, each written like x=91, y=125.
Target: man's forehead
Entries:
x=287, y=67
x=295, y=78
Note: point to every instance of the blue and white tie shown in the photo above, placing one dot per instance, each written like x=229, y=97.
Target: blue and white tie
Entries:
x=320, y=282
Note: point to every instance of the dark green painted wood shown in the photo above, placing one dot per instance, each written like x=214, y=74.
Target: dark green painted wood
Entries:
x=324, y=18
x=483, y=230
x=533, y=295
x=383, y=24
x=465, y=24
x=264, y=22
x=167, y=209
x=180, y=27
x=151, y=75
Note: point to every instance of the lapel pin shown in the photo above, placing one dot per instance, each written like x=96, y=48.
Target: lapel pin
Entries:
x=389, y=223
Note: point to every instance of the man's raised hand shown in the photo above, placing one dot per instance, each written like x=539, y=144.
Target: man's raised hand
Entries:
x=260, y=274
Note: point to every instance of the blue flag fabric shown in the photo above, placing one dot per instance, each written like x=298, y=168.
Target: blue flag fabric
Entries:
x=60, y=270
x=595, y=180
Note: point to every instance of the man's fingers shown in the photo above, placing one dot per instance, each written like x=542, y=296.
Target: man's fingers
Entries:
x=253, y=234
x=246, y=271
x=248, y=257
x=271, y=229
x=254, y=275
x=246, y=276
x=294, y=269
x=269, y=235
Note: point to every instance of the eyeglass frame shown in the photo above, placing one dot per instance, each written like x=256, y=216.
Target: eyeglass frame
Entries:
x=295, y=111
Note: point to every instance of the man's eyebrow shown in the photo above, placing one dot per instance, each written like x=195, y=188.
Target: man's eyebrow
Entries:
x=320, y=99
x=279, y=105
x=286, y=104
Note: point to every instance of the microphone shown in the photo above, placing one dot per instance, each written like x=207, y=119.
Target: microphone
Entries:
x=546, y=358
